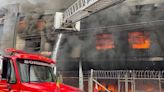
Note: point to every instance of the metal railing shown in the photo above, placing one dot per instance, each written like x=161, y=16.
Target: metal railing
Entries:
x=128, y=74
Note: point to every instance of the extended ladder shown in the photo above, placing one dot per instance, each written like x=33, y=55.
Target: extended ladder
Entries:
x=83, y=8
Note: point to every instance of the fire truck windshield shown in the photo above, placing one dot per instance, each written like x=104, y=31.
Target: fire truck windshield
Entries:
x=35, y=72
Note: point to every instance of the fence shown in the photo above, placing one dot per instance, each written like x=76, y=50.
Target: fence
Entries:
x=126, y=81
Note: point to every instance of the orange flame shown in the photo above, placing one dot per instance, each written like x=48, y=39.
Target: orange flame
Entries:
x=104, y=41
x=139, y=40
x=110, y=87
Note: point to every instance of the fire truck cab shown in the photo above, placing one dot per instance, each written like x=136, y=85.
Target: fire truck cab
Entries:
x=25, y=72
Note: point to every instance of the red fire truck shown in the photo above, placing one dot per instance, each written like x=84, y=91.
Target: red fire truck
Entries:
x=25, y=72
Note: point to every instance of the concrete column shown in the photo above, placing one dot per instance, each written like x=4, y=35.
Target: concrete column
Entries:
x=90, y=80
x=8, y=38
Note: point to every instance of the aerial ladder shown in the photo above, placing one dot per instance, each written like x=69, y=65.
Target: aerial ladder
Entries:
x=80, y=9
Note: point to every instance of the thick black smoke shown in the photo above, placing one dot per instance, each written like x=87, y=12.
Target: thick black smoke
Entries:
x=118, y=20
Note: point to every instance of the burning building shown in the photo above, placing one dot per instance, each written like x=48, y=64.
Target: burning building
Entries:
x=123, y=37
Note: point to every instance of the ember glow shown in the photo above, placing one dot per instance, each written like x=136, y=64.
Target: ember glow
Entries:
x=111, y=87
x=104, y=41
x=139, y=40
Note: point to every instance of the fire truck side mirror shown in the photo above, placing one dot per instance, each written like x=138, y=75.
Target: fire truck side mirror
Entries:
x=1, y=66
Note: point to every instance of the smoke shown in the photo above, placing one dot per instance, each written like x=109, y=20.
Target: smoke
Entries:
x=39, y=5
x=3, y=3
x=124, y=13
x=106, y=21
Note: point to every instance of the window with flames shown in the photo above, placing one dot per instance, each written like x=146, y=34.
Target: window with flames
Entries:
x=104, y=41
x=139, y=40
